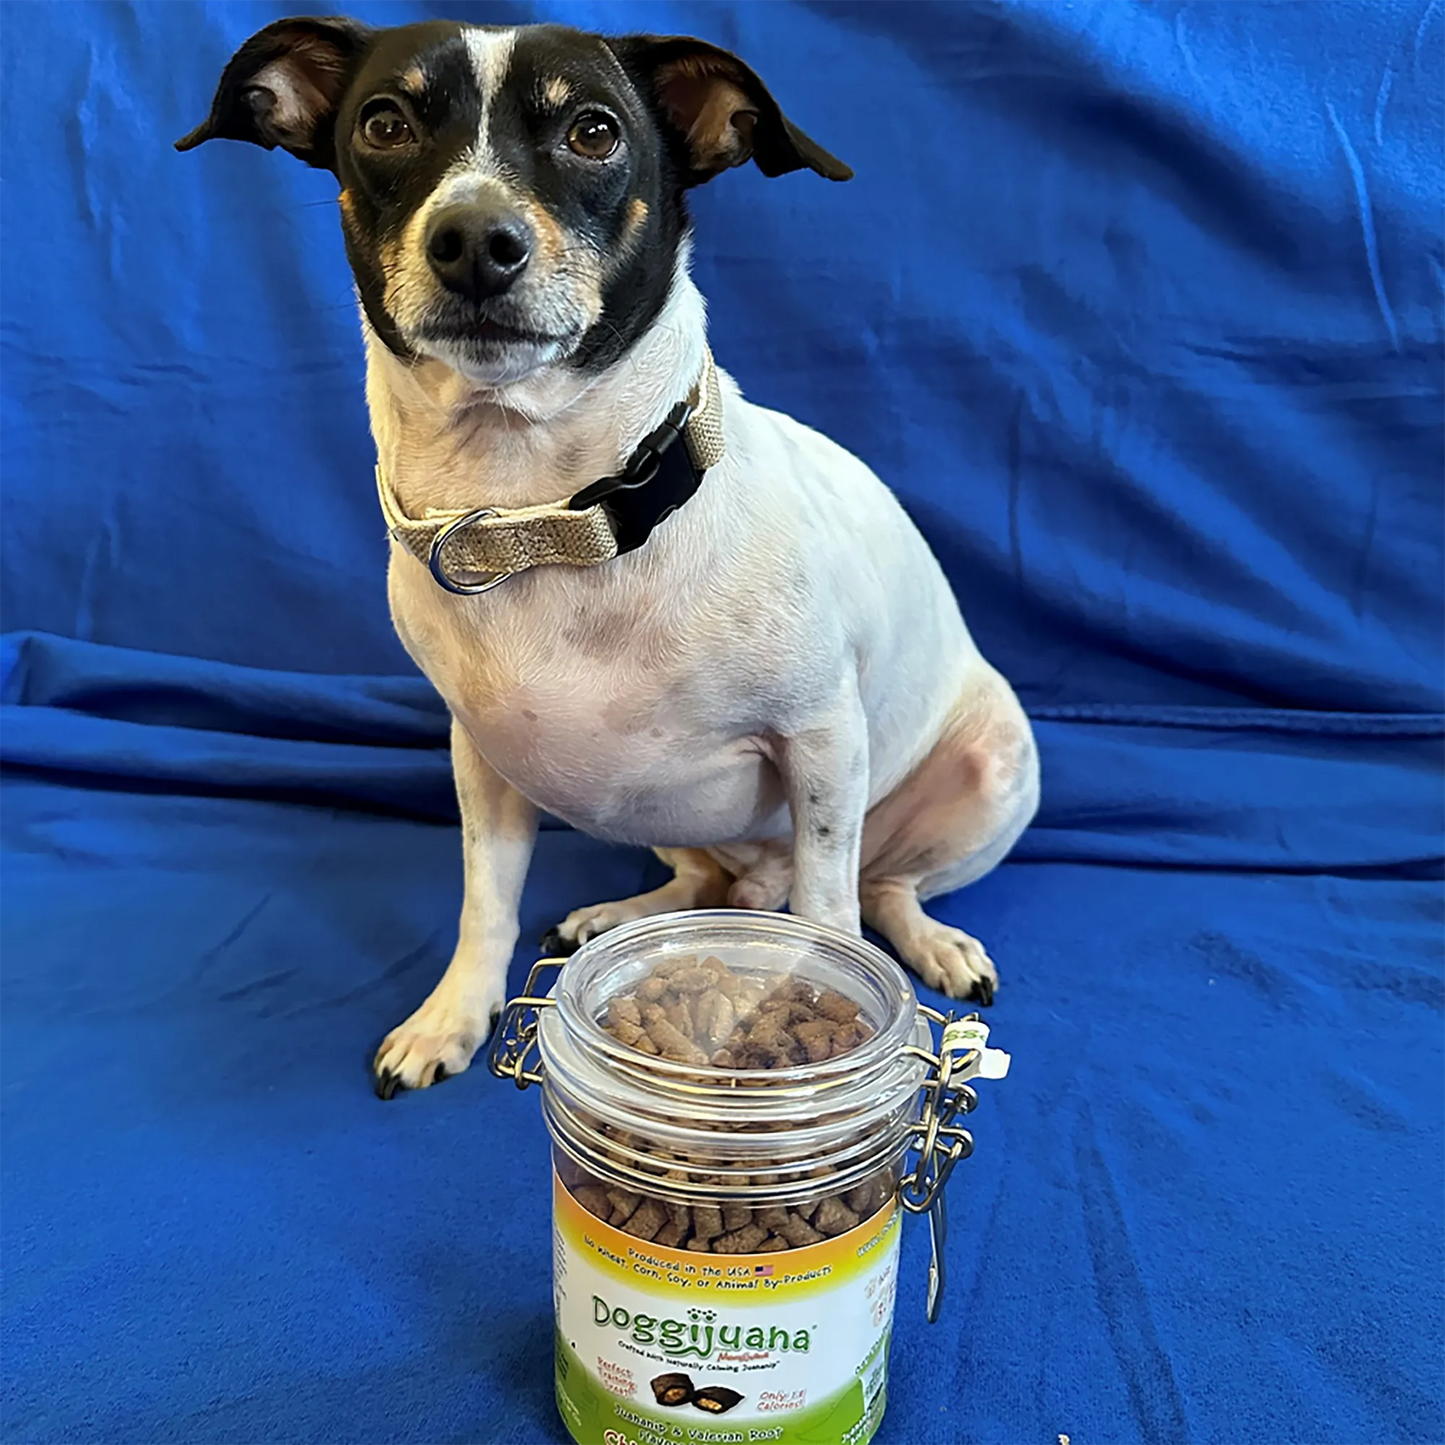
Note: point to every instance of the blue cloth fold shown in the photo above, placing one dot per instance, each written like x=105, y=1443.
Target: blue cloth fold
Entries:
x=1139, y=309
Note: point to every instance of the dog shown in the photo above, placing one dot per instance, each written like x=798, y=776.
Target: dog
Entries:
x=768, y=681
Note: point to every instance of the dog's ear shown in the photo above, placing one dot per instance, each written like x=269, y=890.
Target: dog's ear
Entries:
x=718, y=110
x=282, y=88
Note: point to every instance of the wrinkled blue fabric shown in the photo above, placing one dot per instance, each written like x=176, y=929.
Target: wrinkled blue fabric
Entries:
x=1138, y=307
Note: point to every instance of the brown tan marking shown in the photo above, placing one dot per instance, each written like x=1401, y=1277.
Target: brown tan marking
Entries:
x=636, y=217
x=555, y=92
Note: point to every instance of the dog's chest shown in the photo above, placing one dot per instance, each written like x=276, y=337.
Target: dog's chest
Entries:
x=612, y=716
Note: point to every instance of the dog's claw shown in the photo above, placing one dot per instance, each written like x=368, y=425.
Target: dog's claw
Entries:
x=555, y=946
x=387, y=1084
x=983, y=992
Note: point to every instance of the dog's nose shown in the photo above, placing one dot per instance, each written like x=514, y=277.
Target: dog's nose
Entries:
x=478, y=251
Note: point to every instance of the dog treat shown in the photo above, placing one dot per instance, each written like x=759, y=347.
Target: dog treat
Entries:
x=675, y=1389
x=706, y=1014
x=716, y=1399
x=695, y=1012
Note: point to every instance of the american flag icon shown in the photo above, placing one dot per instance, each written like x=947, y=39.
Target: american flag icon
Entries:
x=762, y=1269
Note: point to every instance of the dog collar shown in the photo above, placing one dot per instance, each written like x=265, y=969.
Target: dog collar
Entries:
x=473, y=551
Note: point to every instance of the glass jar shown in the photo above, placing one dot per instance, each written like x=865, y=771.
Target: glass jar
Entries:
x=739, y=1104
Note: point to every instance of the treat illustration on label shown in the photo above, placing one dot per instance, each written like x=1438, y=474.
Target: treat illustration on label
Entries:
x=716, y=1399
x=672, y=1389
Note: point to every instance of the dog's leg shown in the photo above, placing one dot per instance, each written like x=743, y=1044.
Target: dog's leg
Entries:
x=499, y=827
x=954, y=820
x=948, y=959
x=825, y=774
x=697, y=882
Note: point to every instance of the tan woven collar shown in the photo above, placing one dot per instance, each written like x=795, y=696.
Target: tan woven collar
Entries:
x=475, y=549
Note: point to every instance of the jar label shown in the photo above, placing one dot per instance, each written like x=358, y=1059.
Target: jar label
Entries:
x=657, y=1346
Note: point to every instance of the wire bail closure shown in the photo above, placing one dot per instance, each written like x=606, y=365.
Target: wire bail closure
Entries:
x=936, y=1141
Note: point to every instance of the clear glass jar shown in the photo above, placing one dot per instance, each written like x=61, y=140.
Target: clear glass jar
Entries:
x=732, y=1099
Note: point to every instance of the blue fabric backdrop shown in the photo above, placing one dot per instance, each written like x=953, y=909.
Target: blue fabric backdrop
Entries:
x=1139, y=308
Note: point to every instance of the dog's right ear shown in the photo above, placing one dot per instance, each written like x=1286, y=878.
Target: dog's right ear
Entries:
x=282, y=88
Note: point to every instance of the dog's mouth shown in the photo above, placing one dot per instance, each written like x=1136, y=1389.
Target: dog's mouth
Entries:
x=485, y=333
x=492, y=352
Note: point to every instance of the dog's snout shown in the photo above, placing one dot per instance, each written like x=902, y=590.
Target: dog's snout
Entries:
x=478, y=251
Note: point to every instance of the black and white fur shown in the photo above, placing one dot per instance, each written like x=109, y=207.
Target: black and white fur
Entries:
x=777, y=692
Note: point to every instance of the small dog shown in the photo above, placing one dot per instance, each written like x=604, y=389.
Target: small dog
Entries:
x=771, y=686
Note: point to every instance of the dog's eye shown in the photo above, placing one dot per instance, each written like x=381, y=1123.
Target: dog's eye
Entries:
x=593, y=136
x=385, y=128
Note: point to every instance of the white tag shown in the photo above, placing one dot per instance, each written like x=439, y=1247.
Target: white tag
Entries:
x=964, y=1036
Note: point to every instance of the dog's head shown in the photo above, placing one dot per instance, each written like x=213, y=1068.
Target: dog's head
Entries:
x=512, y=199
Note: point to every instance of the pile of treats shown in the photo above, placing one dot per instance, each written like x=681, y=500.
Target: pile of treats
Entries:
x=730, y=1228
x=705, y=1014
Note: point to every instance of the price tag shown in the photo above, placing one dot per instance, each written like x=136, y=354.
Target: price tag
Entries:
x=965, y=1036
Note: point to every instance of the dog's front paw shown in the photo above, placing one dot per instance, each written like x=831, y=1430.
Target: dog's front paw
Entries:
x=437, y=1041
x=954, y=962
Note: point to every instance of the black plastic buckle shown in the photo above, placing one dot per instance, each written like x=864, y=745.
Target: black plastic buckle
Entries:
x=658, y=478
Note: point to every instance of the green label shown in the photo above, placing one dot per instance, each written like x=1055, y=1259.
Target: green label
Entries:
x=595, y=1416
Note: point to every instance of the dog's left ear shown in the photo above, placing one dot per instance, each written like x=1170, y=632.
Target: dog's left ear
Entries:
x=282, y=87
x=718, y=109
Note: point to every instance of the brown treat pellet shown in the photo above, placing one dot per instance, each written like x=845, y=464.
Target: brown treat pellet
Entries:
x=633, y=1035
x=670, y=1235
x=740, y=1241
x=593, y=1198
x=693, y=980
x=834, y=1217
x=798, y=1232
x=819, y=1049
x=699, y=1246
x=771, y=1244
x=680, y=1017
x=671, y=1043
x=707, y=1221
x=715, y=1017
x=834, y=1006
x=652, y=989
x=621, y=1010
x=867, y=1198
x=647, y=1219
x=814, y=1029
x=624, y=1201
x=771, y=1217
x=734, y=1216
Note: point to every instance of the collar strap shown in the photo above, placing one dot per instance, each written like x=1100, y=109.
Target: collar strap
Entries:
x=473, y=551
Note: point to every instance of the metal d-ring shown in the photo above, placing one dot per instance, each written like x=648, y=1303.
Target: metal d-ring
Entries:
x=439, y=572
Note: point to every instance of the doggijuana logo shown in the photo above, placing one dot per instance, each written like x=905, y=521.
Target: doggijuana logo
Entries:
x=700, y=1335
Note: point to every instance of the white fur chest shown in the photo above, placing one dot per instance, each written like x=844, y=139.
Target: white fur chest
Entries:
x=596, y=699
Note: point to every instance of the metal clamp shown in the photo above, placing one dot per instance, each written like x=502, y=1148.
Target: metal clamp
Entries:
x=940, y=1144
x=516, y=1035
x=439, y=571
